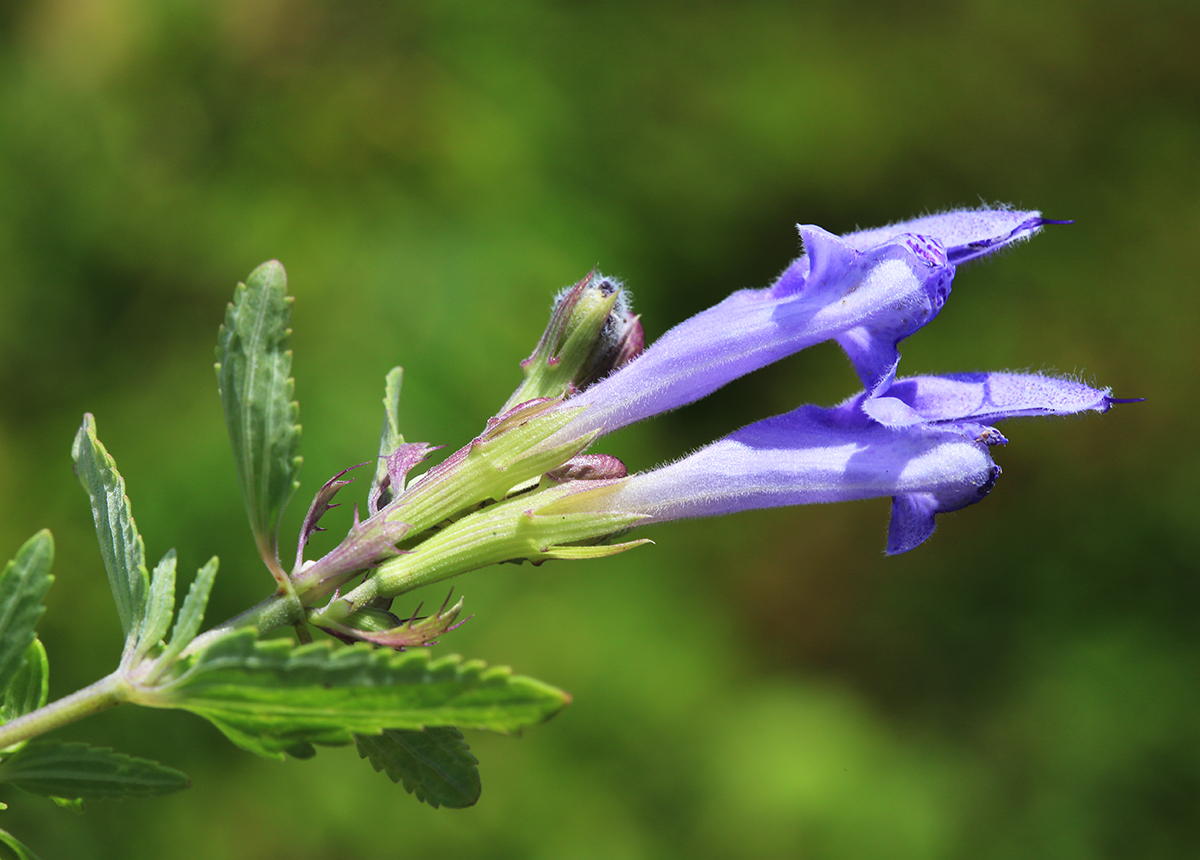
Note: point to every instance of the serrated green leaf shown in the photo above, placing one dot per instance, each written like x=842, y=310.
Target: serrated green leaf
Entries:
x=23, y=583
x=160, y=607
x=253, y=373
x=30, y=686
x=267, y=696
x=120, y=544
x=19, y=849
x=76, y=770
x=187, y=624
x=434, y=764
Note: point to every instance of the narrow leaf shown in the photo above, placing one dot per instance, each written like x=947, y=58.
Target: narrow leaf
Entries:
x=435, y=764
x=120, y=544
x=390, y=438
x=160, y=607
x=573, y=553
x=322, y=503
x=401, y=635
x=18, y=848
x=187, y=624
x=76, y=770
x=253, y=373
x=23, y=583
x=30, y=686
x=267, y=696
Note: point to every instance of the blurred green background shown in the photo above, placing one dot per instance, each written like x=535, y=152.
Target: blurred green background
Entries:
x=765, y=686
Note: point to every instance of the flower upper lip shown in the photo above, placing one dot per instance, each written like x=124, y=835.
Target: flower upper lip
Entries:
x=965, y=233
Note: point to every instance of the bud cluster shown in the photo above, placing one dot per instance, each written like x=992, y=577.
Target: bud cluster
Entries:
x=492, y=500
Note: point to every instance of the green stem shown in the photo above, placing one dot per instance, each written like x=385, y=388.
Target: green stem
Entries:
x=278, y=610
x=108, y=692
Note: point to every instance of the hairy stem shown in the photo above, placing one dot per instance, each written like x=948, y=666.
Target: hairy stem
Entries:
x=108, y=692
x=278, y=610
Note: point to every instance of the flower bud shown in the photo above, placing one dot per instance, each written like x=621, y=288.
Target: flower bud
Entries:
x=592, y=332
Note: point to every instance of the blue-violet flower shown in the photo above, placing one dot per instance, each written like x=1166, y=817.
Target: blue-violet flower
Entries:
x=923, y=441
x=930, y=454
x=867, y=290
x=525, y=489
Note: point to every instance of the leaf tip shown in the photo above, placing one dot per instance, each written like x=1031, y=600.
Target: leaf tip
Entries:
x=269, y=271
x=87, y=430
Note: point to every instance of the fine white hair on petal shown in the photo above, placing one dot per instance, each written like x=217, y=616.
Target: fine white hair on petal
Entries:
x=965, y=233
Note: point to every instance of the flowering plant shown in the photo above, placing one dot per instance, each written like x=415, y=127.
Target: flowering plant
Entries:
x=529, y=487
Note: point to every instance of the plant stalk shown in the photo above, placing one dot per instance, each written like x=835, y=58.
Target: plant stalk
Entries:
x=109, y=691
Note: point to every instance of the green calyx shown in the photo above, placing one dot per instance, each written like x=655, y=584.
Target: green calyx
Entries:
x=508, y=454
x=587, y=337
x=534, y=526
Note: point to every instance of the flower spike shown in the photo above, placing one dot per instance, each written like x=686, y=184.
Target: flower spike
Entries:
x=525, y=490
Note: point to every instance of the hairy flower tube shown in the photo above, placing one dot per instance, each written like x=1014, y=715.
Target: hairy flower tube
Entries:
x=525, y=489
x=930, y=454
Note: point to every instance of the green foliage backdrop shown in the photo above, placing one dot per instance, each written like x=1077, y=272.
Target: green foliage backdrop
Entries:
x=1024, y=685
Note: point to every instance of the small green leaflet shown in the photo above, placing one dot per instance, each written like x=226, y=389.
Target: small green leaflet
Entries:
x=253, y=373
x=160, y=606
x=18, y=848
x=23, y=583
x=29, y=687
x=272, y=697
x=144, y=604
x=76, y=770
x=390, y=438
x=120, y=544
x=187, y=624
x=434, y=764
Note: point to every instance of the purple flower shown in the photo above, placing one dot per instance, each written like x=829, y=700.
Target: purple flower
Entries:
x=867, y=290
x=524, y=489
x=923, y=441
x=930, y=455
